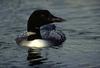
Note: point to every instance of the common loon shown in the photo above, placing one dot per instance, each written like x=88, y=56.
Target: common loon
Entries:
x=40, y=31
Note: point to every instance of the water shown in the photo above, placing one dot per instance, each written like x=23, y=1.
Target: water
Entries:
x=82, y=29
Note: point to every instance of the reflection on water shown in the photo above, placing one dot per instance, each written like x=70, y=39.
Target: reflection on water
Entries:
x=34, y=57
x=38, y=56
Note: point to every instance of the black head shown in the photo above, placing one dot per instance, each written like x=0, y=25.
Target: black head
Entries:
x=41, y=17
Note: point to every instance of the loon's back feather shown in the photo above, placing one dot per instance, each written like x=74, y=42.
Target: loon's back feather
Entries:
x=53, y=34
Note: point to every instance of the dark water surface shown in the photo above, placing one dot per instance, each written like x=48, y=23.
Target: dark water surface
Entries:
x=82, y=29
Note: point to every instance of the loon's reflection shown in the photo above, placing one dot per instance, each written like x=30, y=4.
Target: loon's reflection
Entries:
x=34, y=57
x=38, y=56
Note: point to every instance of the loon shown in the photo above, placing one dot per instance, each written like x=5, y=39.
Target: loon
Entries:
x=41, y=32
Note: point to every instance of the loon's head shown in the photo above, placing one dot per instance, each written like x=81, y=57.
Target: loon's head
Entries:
x=39, y=18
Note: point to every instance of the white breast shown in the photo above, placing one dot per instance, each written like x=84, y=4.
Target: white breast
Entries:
x=38, y=43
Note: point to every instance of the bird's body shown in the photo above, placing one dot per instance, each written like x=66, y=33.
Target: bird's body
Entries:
x=51, y=36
